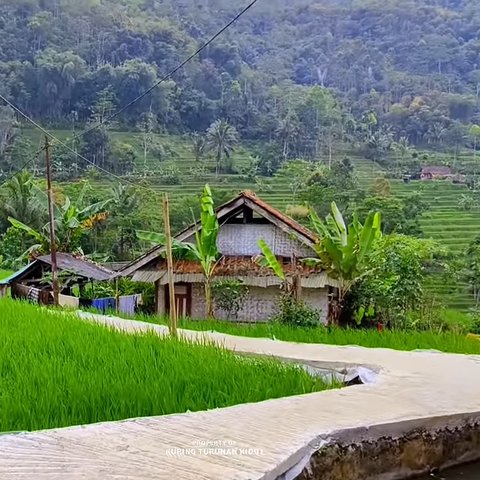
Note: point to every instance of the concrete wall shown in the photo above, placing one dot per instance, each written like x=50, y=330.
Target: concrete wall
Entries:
x=242, y=240
x=260, y=306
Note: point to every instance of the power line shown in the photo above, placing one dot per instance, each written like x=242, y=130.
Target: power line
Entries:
x=128, y=105
x=172, y=72
x=60, y=142
x=23, y=167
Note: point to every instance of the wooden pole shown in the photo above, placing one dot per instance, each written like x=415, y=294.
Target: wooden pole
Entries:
x=51, y=217
x=117, y=297
x=171, y=282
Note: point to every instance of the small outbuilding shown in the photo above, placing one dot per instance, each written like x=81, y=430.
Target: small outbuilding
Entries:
x=32, y=281
x=243, y=221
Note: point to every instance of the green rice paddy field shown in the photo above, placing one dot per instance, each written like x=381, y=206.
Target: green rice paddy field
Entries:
x=57, y=371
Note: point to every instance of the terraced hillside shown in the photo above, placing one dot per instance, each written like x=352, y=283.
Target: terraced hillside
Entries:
x=451, y=224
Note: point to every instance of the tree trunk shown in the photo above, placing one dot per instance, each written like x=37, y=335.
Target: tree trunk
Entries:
x=208, y=300
x=336, y=309
x=145, y=148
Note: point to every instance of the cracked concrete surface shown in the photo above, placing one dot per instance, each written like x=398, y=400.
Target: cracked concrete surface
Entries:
x=256, y=441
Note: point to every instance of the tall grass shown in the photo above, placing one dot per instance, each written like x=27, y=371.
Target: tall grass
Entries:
x=56, y=370
x=395, y=339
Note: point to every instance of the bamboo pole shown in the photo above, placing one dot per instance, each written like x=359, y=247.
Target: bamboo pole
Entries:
x=171, y=283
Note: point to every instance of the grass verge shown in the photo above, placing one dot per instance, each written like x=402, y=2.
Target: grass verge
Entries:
x=448, y=342
x=57, y=370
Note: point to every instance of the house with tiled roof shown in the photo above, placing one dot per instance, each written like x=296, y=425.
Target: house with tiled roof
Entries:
x=243, y=221
x=436, y=173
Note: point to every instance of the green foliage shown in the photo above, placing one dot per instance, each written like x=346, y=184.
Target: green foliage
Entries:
x=221, y=140
x=338, y=184
x=399, y=215
x=296, y=173
x=169, y=176
x=230, y=296
x=72, y=221
x=343, y=251
x=269, y=260
x=473, y=268
x=394, y=285
x=296, y=313
x=306, y=85
x=12, y=248
x=61, y=371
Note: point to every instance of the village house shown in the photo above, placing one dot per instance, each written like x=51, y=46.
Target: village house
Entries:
x=436, y=173
x=243, y=221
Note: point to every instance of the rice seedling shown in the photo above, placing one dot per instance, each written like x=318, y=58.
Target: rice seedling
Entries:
x=57, y=370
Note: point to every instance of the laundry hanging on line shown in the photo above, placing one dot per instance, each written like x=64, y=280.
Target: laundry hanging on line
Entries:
x=104, y=304
x=128, y=304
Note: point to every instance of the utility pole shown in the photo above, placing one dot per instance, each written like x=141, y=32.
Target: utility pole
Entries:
x=51, y=217
x=171, y=282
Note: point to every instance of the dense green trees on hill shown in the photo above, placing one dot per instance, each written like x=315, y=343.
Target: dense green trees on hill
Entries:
x=299, y=75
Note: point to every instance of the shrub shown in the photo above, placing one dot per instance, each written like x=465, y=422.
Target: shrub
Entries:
x=230, y=296
x=296, y=313
x=170, y=176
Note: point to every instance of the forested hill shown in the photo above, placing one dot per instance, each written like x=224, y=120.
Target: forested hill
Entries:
x=413, y=64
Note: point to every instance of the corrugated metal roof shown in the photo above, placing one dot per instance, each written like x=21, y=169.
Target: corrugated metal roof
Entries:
x=147, y=276
x=79, y=266
x=16, y=275
x=318, y=280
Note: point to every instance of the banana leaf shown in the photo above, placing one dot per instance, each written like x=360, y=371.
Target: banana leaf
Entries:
x=269, y=260
x=38, y=236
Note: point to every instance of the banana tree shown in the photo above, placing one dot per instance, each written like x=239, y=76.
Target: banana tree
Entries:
x=290, y=283
x=205, y=251
x=71, y=223
x=344, y=251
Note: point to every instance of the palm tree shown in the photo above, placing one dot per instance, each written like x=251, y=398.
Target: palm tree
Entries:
x=21, y=201
x=286, y=129
x=221, y=139
x=198, y=146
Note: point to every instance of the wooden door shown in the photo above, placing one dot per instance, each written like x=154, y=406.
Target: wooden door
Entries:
x=183, y=299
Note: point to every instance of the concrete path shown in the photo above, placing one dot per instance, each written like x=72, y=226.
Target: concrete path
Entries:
x=255, y=441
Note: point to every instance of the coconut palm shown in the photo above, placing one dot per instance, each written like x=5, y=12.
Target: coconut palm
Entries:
x=221, y=139
x=198, y=146
x=21, y=201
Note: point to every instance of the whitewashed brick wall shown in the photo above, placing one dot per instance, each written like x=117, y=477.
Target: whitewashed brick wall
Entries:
x=261, y=303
